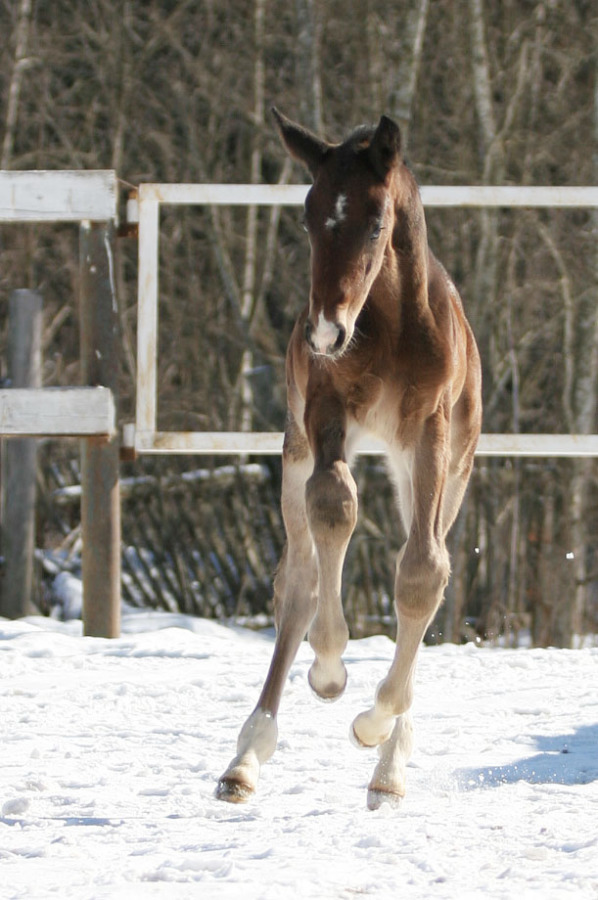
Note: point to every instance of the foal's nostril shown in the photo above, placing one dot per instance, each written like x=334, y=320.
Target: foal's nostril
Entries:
x=340, y=339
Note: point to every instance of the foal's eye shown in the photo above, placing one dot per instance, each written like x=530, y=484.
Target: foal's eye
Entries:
x=376, y=232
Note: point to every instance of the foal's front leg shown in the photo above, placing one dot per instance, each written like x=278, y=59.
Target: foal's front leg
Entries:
x=331, y=507
x=319, y=512
x=331, y=498
x=295, y=600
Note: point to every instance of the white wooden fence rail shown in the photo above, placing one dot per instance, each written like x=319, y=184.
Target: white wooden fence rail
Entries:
x=143, y=436
x=61, y=196
x=57, y=412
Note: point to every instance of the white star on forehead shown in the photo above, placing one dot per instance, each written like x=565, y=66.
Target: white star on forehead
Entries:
x=340, y=208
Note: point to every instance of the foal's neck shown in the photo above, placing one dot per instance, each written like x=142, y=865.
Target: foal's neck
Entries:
x=401, y=287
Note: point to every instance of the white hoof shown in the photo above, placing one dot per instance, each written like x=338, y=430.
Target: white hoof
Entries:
x=327, y=681
x=377, y=798
x=233, y=787
x=239, y=782
x=370, y=728
x=255, y=745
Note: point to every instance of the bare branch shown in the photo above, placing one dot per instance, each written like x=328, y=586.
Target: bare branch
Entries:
x=569, y=325
x=14, y=91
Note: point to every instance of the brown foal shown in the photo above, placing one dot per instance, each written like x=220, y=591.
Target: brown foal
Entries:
x=383, y=348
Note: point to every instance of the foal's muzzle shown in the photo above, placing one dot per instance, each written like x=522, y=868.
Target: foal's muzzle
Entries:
x=326, y=338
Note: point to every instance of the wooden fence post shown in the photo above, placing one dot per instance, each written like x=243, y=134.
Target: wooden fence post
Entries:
x=100, y=497
x=19, y=457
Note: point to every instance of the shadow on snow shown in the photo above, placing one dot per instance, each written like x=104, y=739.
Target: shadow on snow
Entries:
x=564, y=759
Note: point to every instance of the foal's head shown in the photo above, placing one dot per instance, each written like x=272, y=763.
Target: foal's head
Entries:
x=349, y=216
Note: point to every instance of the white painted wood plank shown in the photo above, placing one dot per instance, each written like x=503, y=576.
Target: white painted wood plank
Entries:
x=509, y=195
x=147, y=316
x=551, y=445
x=72, y=411
x=151, y=196
x=294, y=195
x=224, y=194
x=60, y=196
x=270, y=443
x=208, y=442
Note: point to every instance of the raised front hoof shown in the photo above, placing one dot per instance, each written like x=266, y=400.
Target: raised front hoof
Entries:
x=327, y=683
x=368, y=730
x=233, y=791
x=356, y=740
x=377, y=798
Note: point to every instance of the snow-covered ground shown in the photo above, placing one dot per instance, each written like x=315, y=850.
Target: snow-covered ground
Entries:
x=111, y=750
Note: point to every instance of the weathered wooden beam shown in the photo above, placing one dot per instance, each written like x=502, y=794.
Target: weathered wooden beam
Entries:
x=100, y=502
x=19, y=458
x=68, y=196
x=57, y=412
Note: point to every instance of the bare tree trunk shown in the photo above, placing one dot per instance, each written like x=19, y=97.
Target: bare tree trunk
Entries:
x=543, y=609
x=248, y=291
x=125, y=84
x=308, y=64
x=259, y=326
x=413, y=29
x=486, y=260
x=513, y=592
x=580, y=345
x=493, y=168
x=583, y=403
x=14, y=90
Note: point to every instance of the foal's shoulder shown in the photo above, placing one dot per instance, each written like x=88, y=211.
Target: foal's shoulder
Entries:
x=443, y=296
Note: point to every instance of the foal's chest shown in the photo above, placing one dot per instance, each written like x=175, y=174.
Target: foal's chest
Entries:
x=374, y=407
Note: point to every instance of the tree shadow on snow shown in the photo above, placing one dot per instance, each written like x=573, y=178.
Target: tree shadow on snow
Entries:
x=564, y=759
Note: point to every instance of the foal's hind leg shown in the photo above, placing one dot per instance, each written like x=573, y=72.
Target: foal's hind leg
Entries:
x=388, y=723
x=295, y=600
x=388, y=781
x=422, y=574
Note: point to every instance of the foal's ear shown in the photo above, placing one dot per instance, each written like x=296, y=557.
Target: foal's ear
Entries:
x=301, y=143
x=385, y=147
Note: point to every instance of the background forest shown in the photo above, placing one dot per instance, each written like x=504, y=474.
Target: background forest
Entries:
x=486, y=93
